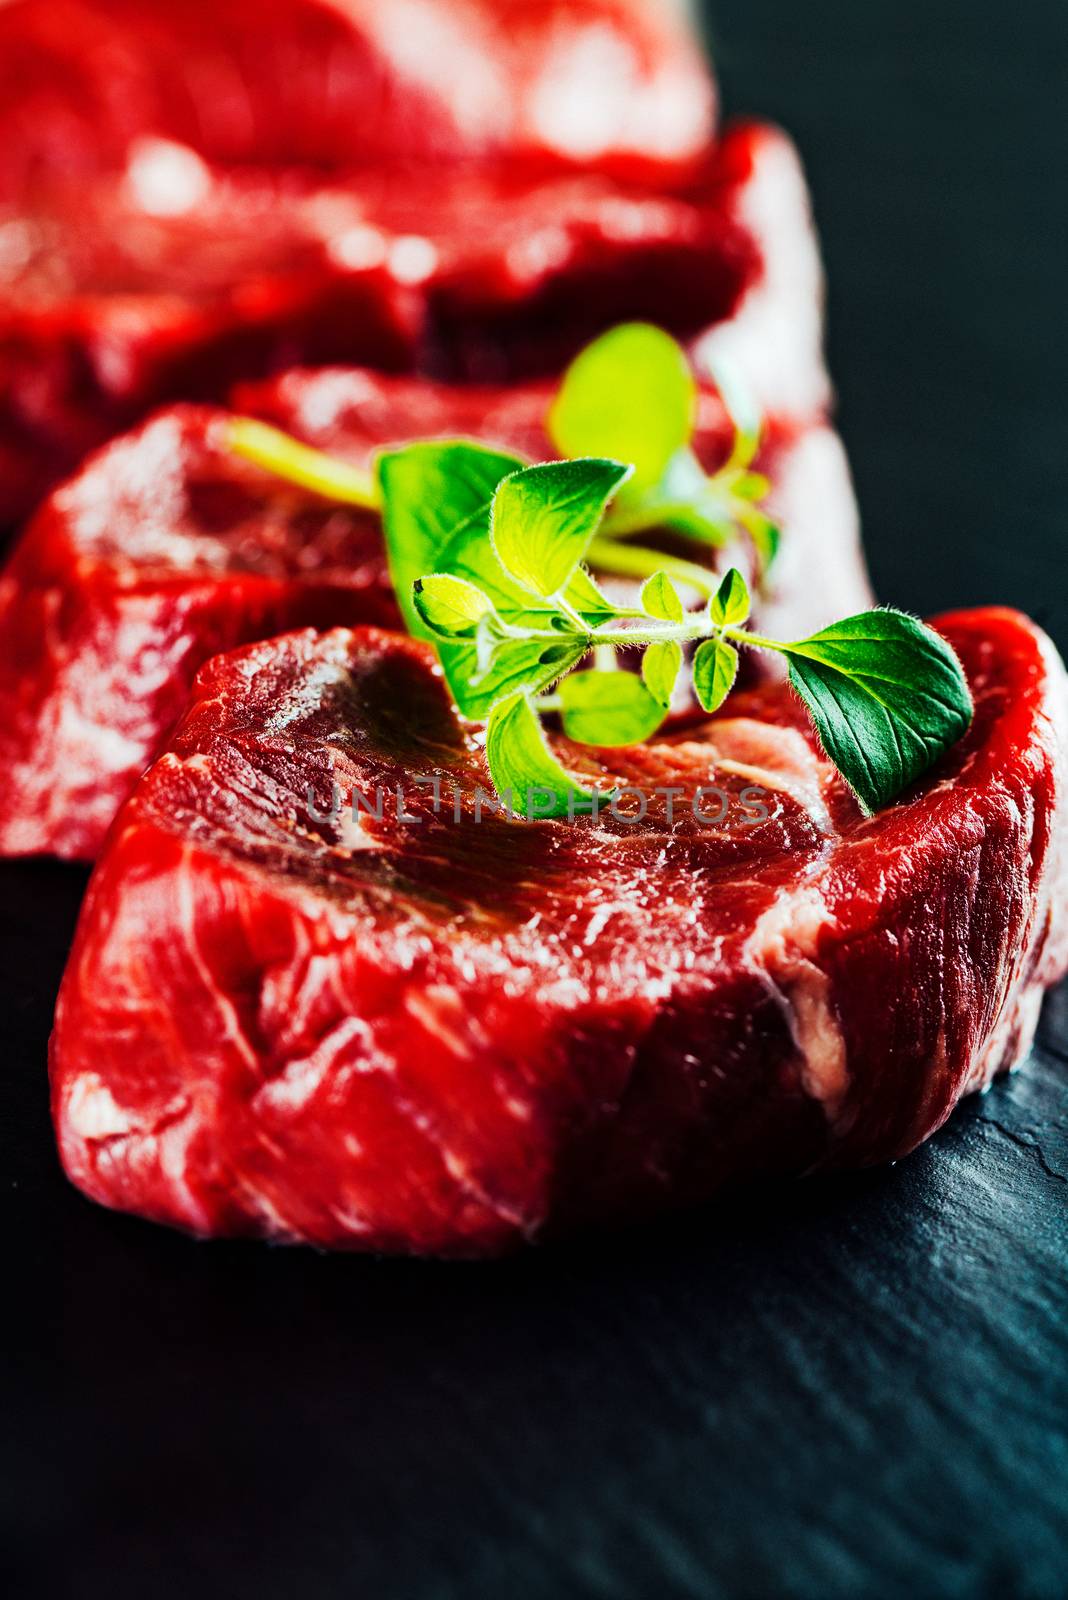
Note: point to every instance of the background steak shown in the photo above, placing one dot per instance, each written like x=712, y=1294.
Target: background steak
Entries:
x=166, y=548
x=451, y=1036
x=337, y=85
x=172, y=279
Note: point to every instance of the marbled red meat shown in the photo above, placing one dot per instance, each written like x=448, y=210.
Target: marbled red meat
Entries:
x=167, y=548
x=170, y=280
x=342, y=84
x=107, y=310
x=449, y=1036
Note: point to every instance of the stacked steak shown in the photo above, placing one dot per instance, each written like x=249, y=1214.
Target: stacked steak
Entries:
x=322, y=990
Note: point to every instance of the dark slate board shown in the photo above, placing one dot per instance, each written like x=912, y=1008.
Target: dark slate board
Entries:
x=841, y=1388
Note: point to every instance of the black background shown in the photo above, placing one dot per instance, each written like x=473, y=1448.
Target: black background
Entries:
x=848, y=1388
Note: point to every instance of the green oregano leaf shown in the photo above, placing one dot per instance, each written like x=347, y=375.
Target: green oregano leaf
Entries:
x=450, y=606
x=428, y=491
x=544, y=517
x=888, y=697
x=585, y=596
x=764, y=533
x=608, y=708
x=737, y=398
x=729, y=605
x=715, y=667
x=523, y=768
x=661, y=665
x=629, y=395
x=660, y=599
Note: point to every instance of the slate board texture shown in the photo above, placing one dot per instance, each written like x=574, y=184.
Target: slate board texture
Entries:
x=847, y=1388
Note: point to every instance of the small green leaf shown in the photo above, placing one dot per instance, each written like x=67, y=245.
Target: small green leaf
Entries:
x=608, y=708
x=888, y=697
x=729, y=605
x=764, y=533
x=752, y=486
x=586, y=597
x=685, y=500
x=715, y=667
x=514, y=665
x=660, y=599
x=450, y=606
x=428, y=491
x=742, y=409
x=661, y=665
x=630, y=395
x=544, y=517
x=424, y=487
x=523, y=768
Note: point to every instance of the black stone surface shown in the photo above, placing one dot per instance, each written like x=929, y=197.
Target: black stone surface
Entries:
x=848, y=1388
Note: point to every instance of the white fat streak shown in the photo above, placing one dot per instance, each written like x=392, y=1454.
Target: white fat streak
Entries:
x=782, y=947
x=93, y=1112
x=304, y=1076
x=799, y=788
x=95, y=1117
x=232, y=1030
x=354, y=835
x=439, y=1012
x=111, y=750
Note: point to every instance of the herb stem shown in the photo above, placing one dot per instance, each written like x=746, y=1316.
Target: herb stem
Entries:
x=661, y=633
x=746, y=636
x=298, y=463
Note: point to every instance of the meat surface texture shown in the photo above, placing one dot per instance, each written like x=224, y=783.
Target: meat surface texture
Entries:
x=417, y=1033
x=171, y=279
x=167, y=549
x=338, y=85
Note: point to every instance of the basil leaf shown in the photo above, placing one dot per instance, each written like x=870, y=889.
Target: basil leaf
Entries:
x=428, y=491
x=450, y=606
x=888, y=697
x=661, y=665
x=629, y=395
x=524, y=769
x=544, y=517
x=608, y=708
x=660, y=598
x=715, y=667
x=730, y=604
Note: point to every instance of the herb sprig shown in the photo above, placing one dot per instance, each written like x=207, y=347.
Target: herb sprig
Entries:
x=513, y=613
x=490, y=559
x=629, y=396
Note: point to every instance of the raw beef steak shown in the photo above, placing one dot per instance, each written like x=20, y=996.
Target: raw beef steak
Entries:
x=342, y=84
x=448, y=1036
x=111, y=304
x=169, y=281
x=167, y=548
